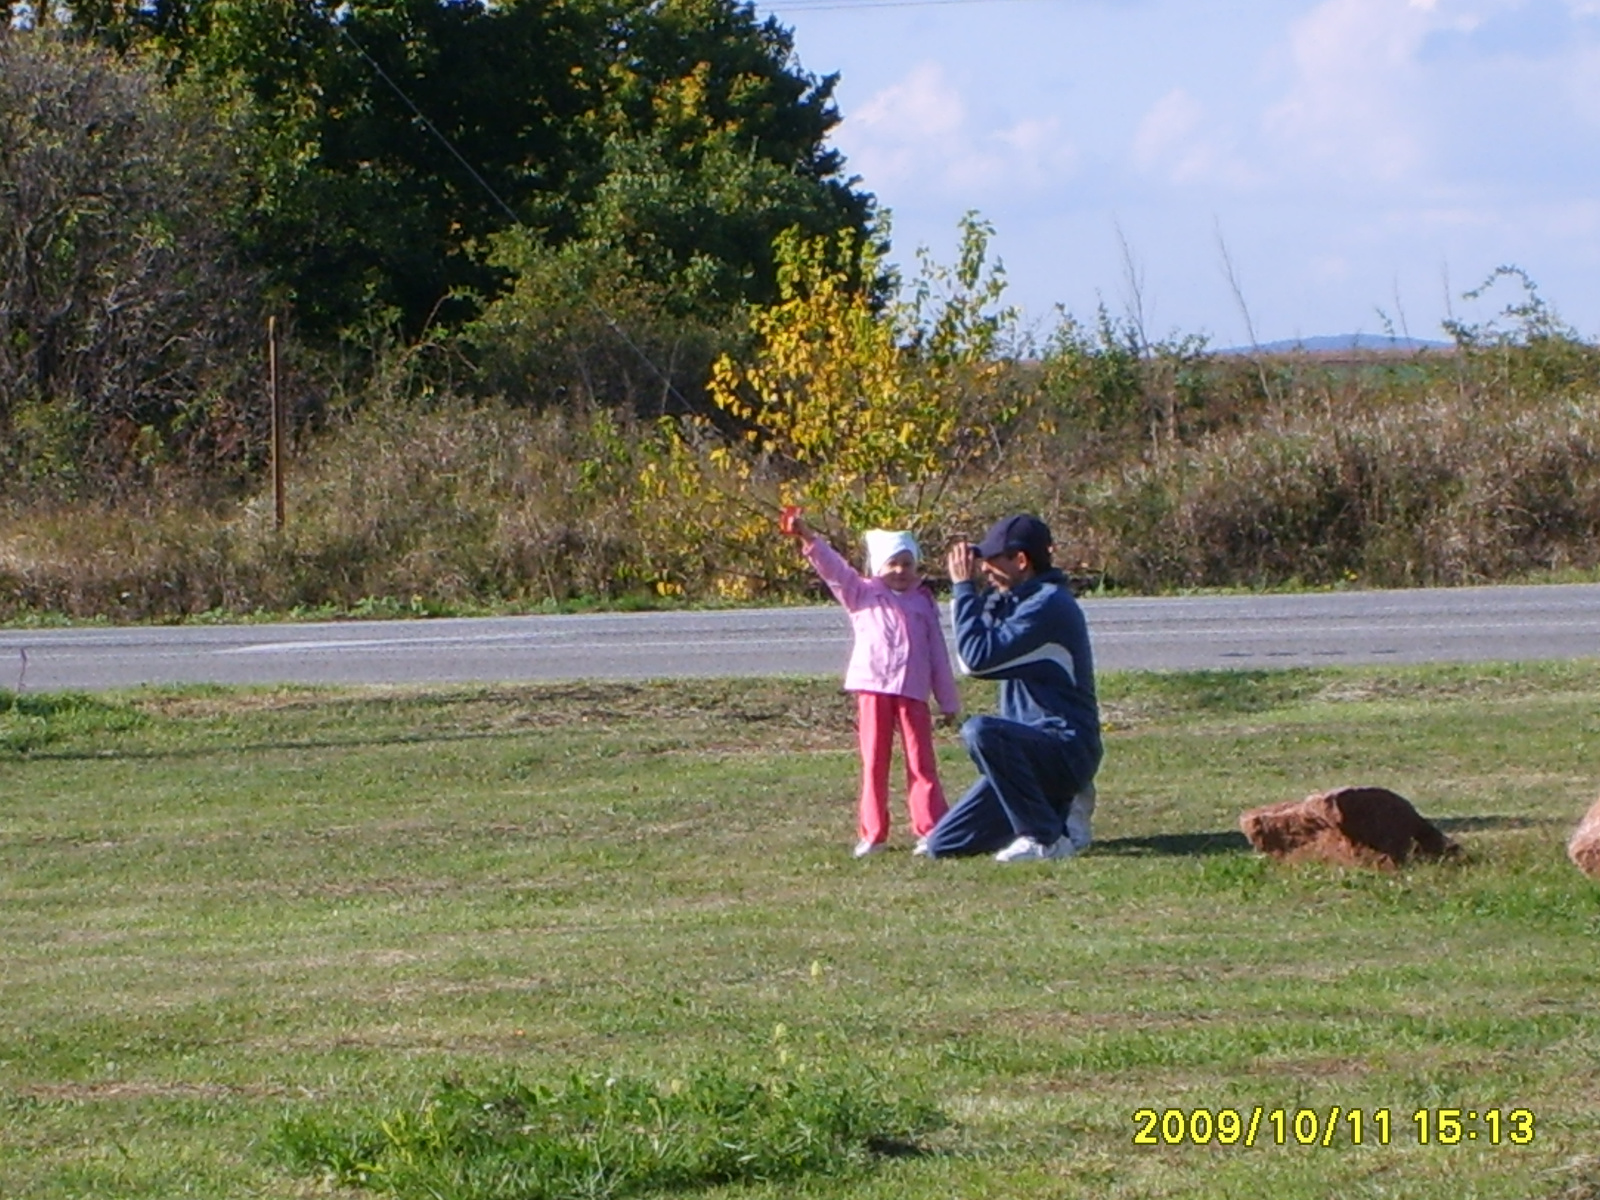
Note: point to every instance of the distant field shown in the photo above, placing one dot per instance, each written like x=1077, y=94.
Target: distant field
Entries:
x=225, y=914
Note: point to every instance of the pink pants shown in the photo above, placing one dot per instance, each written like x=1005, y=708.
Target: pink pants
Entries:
x=877, y=714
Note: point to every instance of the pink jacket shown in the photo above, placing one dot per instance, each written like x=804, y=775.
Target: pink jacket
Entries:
x=899, y=643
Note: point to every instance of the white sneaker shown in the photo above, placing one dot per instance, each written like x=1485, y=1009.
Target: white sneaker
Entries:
x=1078, y=816
x=921, y=848
x=1027, y=849
x=864, y=848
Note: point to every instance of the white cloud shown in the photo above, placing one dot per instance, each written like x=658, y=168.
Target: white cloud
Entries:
x=920, y=106
x=1332, y=268
x=1350, y=109
x=1583, y=82
x=1433, y=93
x=1039, y=140
x=1166, y=129
x=1173, y=141
x=920, y=132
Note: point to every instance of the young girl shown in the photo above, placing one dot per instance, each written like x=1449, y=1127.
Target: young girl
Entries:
x=898, y=660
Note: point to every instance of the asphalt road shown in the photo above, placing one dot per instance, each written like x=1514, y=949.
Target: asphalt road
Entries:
x=1243, y=632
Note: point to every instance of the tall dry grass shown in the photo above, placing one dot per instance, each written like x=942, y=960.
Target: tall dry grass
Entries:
x=1447, y=471
x=410, y=509
x=1440, y=487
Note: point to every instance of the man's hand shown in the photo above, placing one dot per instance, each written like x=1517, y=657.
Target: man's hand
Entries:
x=962, y=562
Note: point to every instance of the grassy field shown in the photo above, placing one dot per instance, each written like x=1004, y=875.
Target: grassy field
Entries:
x=229, y=916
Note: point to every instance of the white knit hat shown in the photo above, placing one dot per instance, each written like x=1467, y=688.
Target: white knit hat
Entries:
x=884, y=544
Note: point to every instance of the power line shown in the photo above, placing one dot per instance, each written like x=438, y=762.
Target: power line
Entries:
x=427, y=124
x=800, y=6
x=605, y=316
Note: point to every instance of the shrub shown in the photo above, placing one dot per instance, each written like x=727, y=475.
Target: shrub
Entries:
x=126, y=331
x=878, y=416
x=1436, y=492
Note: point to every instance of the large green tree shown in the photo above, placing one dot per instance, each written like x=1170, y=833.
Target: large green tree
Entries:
x=392, y=140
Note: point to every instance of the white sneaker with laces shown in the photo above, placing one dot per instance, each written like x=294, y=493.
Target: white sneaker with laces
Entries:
x=1078, y=816
x=864, y=848
x=1027, y=849
x=921, y=848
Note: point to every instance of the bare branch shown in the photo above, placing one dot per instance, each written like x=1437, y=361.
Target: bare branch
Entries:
x=1232, y=276
x=1133, y=278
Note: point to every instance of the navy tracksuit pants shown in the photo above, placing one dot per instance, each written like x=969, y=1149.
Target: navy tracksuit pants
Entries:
x=1027, y=778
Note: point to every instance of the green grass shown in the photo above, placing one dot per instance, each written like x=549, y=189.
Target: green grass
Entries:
x=243, y=929
x=614, y=1137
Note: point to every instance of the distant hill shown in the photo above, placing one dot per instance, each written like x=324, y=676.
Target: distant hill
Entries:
x=1342, y=343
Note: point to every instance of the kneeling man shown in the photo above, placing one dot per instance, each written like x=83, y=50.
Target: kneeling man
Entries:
x=1037, y=759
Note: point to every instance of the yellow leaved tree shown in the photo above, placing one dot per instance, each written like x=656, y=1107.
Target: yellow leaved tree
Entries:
x=880, y=414
x=867, y=404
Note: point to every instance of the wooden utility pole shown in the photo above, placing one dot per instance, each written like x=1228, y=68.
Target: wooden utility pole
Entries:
x=278, y=421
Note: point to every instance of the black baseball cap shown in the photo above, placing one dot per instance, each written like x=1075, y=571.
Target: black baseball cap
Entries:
x=1022, y=532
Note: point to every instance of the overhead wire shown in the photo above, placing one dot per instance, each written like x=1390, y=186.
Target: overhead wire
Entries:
x=427, y=124
x=611, y=322
x=779, y=7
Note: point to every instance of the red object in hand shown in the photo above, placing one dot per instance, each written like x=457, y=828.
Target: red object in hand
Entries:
x=787, y=516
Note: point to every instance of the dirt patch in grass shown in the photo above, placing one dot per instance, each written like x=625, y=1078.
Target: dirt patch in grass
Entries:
x=70, y=1093
x=776, y=714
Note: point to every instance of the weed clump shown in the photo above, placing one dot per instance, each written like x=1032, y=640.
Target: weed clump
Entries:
x=611, y=1137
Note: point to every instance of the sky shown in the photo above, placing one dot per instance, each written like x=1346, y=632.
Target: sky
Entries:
x=1249, y=170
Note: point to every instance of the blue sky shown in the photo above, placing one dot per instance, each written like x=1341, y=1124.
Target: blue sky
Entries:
x=1351, y=159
